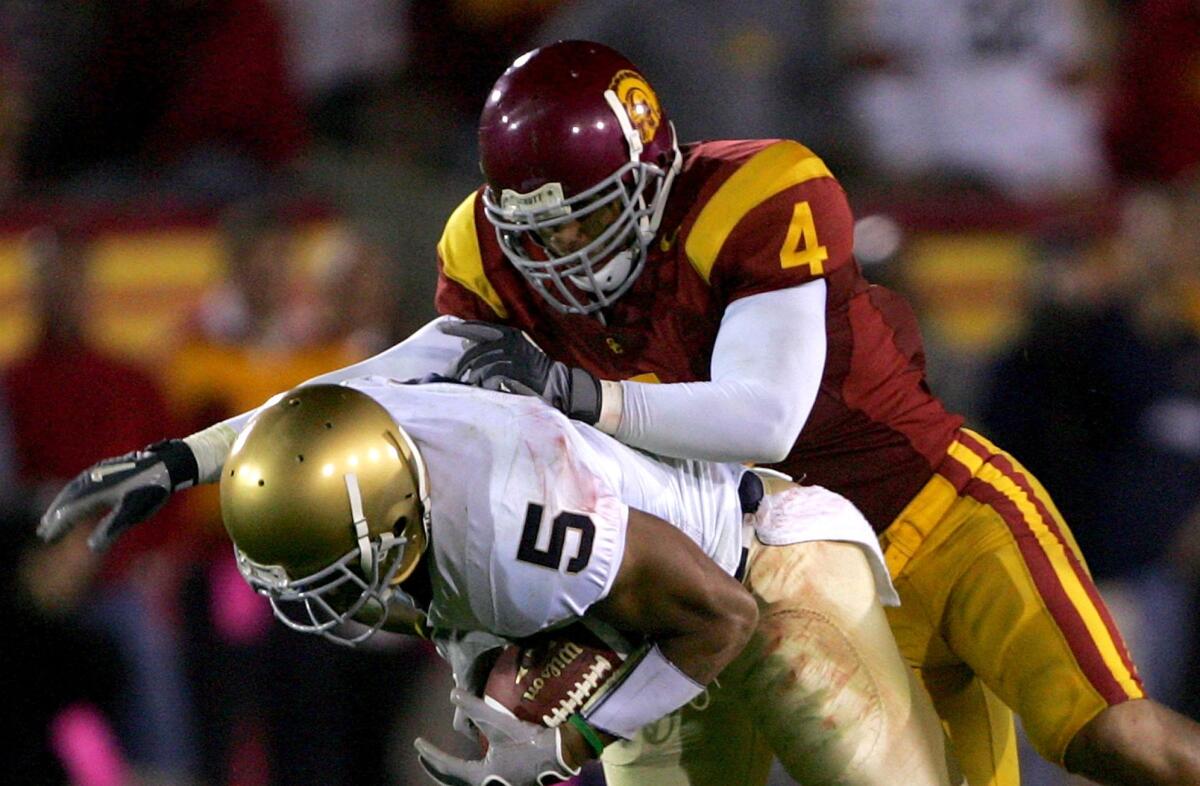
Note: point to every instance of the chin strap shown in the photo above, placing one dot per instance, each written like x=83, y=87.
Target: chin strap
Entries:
x=664, y=188
x=366, y=552
x=632, y=137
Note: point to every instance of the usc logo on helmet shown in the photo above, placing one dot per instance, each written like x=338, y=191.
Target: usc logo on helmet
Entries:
x=639, y=101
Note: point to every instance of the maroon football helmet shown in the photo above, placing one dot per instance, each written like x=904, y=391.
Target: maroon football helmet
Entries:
x=569, y=129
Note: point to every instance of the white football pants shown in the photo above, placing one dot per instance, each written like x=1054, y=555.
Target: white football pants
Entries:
x=821, y=686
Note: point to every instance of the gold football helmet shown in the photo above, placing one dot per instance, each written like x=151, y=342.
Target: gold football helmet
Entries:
x=326, y=500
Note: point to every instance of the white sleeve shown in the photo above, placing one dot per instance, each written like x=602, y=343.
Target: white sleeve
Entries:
x=427, y=351
x=766, y=369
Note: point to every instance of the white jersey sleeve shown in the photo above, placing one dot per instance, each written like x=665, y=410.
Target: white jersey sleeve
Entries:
x=427, y=351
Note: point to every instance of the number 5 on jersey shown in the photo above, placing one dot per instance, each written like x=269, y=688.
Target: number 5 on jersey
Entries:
x=801, y=246
x=546, y=549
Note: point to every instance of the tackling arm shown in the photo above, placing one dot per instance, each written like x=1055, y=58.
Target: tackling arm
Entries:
x=767, y=365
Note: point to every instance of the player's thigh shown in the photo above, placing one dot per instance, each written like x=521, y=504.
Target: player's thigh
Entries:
x=1043, y=646
x=1026, y=616
x=822, y=676
x=710, y=742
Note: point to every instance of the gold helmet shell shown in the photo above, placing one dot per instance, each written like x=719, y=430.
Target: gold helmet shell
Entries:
x=326, y=500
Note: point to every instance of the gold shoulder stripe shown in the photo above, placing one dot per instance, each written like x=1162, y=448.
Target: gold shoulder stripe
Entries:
x=462, y=260
x=771, y=170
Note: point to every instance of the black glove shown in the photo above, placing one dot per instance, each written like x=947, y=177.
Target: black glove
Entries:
x=499, y=357
x=131, y=487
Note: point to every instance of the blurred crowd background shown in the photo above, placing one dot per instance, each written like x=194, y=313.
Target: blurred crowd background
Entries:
x=203, y=202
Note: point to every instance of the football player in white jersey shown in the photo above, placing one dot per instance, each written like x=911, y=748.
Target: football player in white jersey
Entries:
x=482, y=518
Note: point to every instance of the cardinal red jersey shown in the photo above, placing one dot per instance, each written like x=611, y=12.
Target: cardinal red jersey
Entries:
x=743, y=217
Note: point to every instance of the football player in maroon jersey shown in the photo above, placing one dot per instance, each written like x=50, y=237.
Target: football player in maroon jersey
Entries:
x=702, y=300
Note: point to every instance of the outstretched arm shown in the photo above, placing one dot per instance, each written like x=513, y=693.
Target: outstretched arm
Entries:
x=767, y=364
x=427, y=351
x=120, y=492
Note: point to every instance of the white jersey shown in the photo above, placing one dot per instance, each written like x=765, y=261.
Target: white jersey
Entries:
x=529, y=509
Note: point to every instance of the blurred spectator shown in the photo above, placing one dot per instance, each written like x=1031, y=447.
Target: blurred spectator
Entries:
x=983, y=94
x=253, y=333
x=355, y=300
x=399, y=199
x=187, y=98
x=62, y=390
x=286, y=708
x=1153, y=121
x=251, y=305
x=458, y=47
x=63, y=385
x=344, y=56
x=61, y=680
x=732, y=69
x=14, y=121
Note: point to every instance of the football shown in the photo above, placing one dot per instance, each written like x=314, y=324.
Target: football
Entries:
x=545, y=680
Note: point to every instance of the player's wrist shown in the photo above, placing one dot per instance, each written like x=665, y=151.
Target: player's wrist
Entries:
x=211, y=447
x=593, y=737
x=573, y=750
x=179, y=460
x=647, y=686
x=612, y=406
x=586, y=396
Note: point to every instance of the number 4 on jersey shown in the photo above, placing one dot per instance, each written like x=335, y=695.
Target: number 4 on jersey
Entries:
x=551, y=555
x=801, y=246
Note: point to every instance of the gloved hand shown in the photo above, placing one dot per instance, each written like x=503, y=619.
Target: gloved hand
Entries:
x=131, y=487
x=518, y=754
x=499, y=357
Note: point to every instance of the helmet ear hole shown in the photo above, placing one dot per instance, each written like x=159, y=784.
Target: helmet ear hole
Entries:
x=398, y=527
